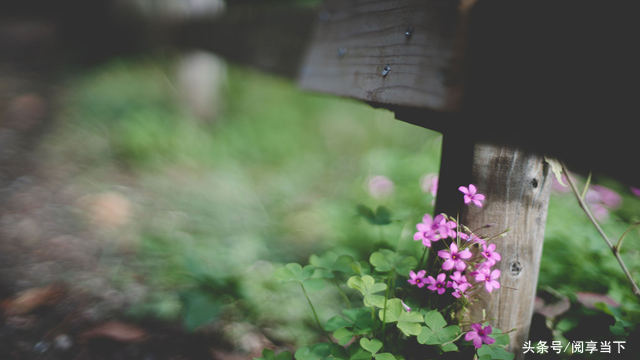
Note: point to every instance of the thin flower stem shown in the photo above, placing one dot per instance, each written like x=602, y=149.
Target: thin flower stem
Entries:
x=422, y=258
x=315, y=314
x=633, y=226
x=342, y=293
x=384, y=310
x=614, y=249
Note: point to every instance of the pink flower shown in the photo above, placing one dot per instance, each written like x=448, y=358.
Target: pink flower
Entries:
x=380, y=186
x=405, y=306
x=480, y=335
x=430, y=230
x=459, y=289
x=607, y=197
x=489, y=277
x=458, y=278
x=489, y=253
x=429, y=184
x=446, y=227
x=635, y=191
x=453, y=258
x=437, y=284
x=481, y=267
x=417, y=279
x=471, y=195
x=472, y=238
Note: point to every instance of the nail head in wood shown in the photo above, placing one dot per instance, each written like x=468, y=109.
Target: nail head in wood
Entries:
x=385, y=70
x=408, y=33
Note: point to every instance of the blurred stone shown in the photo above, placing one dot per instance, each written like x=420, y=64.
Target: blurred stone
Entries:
x=109, y=209
x=201, y=76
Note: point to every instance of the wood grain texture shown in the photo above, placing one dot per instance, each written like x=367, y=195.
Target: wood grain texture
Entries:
x=517, y=189
x=397, y=52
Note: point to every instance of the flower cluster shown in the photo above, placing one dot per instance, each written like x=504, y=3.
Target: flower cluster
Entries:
x=462, y=273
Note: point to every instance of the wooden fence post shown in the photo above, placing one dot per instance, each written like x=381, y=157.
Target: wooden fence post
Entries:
x=517, y=188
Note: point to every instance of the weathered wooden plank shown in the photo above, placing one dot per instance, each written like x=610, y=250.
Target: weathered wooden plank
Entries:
x=517, y=190
x=401, y=52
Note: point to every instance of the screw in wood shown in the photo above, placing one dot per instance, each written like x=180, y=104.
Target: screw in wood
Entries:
x=408, y=32
x=385, y=70
x=342, y=51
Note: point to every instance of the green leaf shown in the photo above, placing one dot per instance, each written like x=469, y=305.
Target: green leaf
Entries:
x=268, y=354
x=618, y=329
x=366, y=213
x=313, y=284
x=361, y=268
x=330, y=263
x=339, y=352
x=336, y=322
x=408, y=322
x=314, y=352
x=437, y=332
x=368, y=287
x=344, y=335
x=356, y=352
x=199, y=308
x=485, y=357
x=434, y=320
x=385, y=356
x=382, y=215
x=360, y=317
x=495, y=352
x=386, y=260
x=380, y=262
x=501, y=339
x=294, y=272
x=449, y=347
x=372, y=346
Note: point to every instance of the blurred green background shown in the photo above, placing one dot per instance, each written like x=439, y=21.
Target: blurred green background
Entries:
x=271, y=176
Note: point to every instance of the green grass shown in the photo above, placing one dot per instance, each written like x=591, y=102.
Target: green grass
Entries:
x=274, y=178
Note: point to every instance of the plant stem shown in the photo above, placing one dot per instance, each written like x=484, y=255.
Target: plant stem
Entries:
x=384, y=310
x=315, y=314
x=614, y=249
x=344, y=296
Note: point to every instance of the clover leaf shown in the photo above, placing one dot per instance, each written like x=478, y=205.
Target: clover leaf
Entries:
x=382, y=215
x=294, y=272
x=317, y=351
x=407, y=322
x=268, y=354
x=330, y=263
x=497, y=350
x=386, y=260
x=436, y=331
x=372, y=346
x=368, y=287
